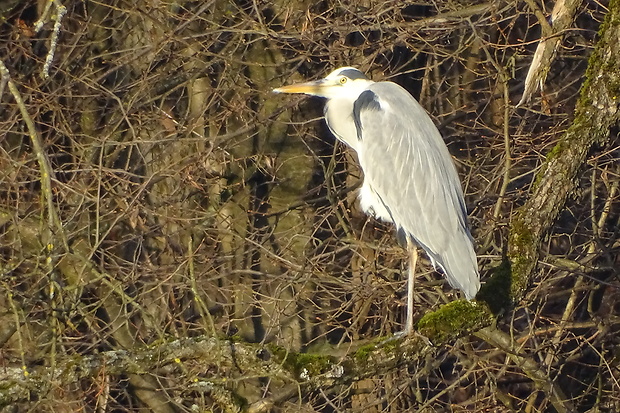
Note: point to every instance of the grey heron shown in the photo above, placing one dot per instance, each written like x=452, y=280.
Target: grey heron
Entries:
x=409, y=177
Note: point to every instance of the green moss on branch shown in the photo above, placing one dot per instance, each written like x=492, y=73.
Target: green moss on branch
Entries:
x=457, y=317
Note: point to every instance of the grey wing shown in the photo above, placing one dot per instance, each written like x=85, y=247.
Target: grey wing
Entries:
x=408, y=168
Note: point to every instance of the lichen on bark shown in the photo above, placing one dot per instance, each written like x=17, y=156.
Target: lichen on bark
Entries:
x=596, y=112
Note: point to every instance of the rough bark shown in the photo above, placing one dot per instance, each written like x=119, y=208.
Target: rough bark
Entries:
x=596, y=113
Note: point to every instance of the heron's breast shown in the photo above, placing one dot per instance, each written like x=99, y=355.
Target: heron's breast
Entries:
x=372, y=204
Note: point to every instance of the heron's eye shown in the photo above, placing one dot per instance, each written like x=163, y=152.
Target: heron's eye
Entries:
x=343, y=80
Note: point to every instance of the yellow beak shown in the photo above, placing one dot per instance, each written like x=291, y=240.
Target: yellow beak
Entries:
x=309, y=88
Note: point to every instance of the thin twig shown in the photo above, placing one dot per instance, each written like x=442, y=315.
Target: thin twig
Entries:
x=47, y=173
x=503, y=341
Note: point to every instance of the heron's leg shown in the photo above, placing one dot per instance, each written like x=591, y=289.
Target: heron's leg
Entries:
x=412, y=249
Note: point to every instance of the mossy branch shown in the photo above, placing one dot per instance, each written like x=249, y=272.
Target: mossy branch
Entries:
x=596, y=112
x=210, y=364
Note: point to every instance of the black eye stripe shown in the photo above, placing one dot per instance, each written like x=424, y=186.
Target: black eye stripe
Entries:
x=353, y=74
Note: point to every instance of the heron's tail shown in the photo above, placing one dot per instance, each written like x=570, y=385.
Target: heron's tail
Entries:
x=459, y=264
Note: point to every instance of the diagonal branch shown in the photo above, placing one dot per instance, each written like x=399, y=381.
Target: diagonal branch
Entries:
x=596, y=113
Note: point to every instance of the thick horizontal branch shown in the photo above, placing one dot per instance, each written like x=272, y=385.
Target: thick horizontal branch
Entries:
x=218, y=360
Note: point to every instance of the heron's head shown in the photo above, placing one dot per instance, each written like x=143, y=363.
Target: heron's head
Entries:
x=344, y=81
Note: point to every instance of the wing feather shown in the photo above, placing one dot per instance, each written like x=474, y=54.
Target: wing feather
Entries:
x=408, y=167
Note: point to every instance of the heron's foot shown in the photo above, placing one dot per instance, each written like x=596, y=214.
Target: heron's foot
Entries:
x=401, y=335
x=395, y=337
